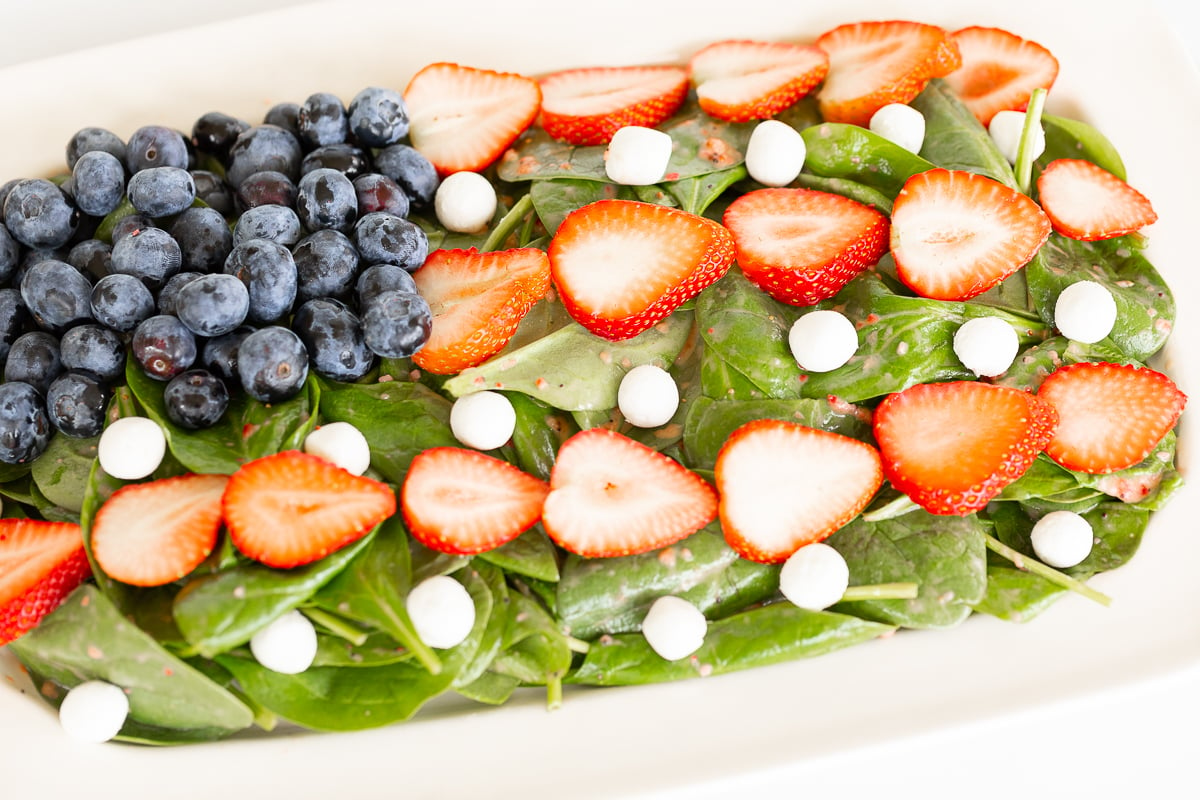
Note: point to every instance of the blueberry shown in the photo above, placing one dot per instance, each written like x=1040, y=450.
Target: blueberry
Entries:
x=381, y=278
x=378, y=117
x=321, y=120
x=263, y=147
x=156, y=146
x=34, y=359
x=272, y=364
x=204, y=239
x=150, y=254
x=24, y=425
x=14, y=318
x=196, y=399
x=347, y=159
x=10, y=253
x=212, y=190
x=326, y=199
x=121, y=302
x=38, y=214
x=129, y=224
x=376, y=192
x=277, y=223
x=215, y=132
x=413, y=171
x=265, y=188
x=219, y=355
x=383, y=238
x=161, y=191
x=397, y=324
x=167, y=295
x=57, y=295
x=95, y=349
x=213, y=305
x=5, y=188
x=269, y=272
x=326, y=265
x=283, y=115
x=163, y=347
x=333, y=336
x=88, y=140
x=99, y=182
x=75, y=404
x=91, y=257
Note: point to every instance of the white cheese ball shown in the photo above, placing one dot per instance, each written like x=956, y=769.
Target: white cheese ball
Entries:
x=822, y=340
x=483, y=420
x=342, y=444
x=1085, y=312
x=637, y=156
x=900, y=124
x=674, y=628
x=1006, y=128
x=287, y=646
x=1062, y=539
x=648, y=396
x=775, y=154
x=465, y=202
x=94, y=711
x=986, y=345
x=442, y=611
x=131, y=448
x=814, y=577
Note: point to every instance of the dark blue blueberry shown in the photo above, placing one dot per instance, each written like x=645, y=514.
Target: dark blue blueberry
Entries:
x=5, y=188
x=91, y=257
x=213, y=305
x=321, y=120
x=156, y=146
x=283, y=115
x=326, y=266
x=276, y=223
x=377, y=192
x=262, y=148
x=378, y=117
x=164, y=302
x=24, y=427
x=347, y=159
x=57, y=295
x=212, y=190
x=265, y=188
x=163, y=347
x=397, y=324
x=161, y=191
x=219, y=355
x=383, y=238
x=31, y=258
x=38, y=214
x=215, y=132
x=99, y=182
x=272, y=364
x=326, y=199
x=121, y=302
x=204, y=239
x=88, y=140
x=34, y=359
x=150, y=254
x=75, y=404
x=413, y=171
x=95, y=349
x=10, y=253
x=381, y=278
x=196, y=399
x=333, y=336
x=129, y=224
x=269, y=272
x=14, y=319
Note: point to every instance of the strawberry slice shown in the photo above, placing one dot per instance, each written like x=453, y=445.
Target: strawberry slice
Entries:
x=952, y=447
x=291, y=508
x=465, y=502
x=40, y=564
x=957, y=234
x=872, y=64
x=1084, y=201
x=587, y=106
x=463, y=118
x=621, y=265
x=743, y=80
x=1110, y=415
x=477, y=300
x=785, y=485
x=153, y=533
x=612, y=496
x=999, y=70
x=800, y=245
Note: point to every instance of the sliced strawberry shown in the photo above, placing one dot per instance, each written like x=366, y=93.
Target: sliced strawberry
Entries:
x=291, y=508
x=952, y=447
x=463, y=118
x=1110, y=415
x=1084, y=201
x=785, y=485
x=612, y=496
x=153, y=533
x=743, y=80
x=466, y=502
x=801, y=246
x=587, y=106
x=477, y=300
x=40, y=564
x=872, y=64
x=621, y=266
x=999, y=71
x=957, y=234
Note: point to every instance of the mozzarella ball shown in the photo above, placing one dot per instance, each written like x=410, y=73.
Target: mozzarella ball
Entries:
x=822, y=340
x=637, y=156
x=775, y=154
x=342, y=444
x=94, y=711
x=1062, y=539
x=674, y=628
x=814, y=577
x=442, y=611
x=900, y=124
x=465, y=202
x=131, y=448
x=986, y=345
x=287, y=646
x=483, y=420
x=1085, y=311
x=648, y=396
x=1006, y=128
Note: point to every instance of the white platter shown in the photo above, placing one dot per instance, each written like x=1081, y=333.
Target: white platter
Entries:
x=1120, y=70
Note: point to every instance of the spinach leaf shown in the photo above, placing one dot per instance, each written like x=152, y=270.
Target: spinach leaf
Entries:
x=955, y=139
x=697, y=193
x=540, y=431
x=535, y=650
x=855, y=191
x=554, y=200
x=1032, y=365
x=1070, y=138
x=531, y=554
x=61, y=472
x=1016, y=595
x=490, y=688
x=377, y=649
x=853, y=153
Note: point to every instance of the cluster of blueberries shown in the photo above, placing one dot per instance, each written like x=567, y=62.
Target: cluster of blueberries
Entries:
x=235, y=259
